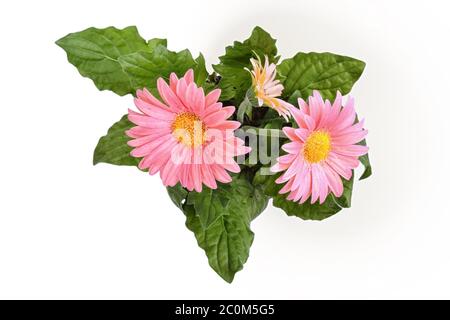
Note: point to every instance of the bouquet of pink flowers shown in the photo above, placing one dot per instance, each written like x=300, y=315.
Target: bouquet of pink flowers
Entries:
x=225, y=143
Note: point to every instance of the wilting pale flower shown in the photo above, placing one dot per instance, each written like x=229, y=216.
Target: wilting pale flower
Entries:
x=267, y=89
x=322, y=150
x=187, y=138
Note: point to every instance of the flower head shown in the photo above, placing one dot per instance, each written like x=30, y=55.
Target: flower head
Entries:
x=322, y=150
x=186, y=137
x=267, y=89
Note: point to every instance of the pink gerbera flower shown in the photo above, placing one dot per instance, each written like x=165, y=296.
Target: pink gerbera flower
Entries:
x=187, y=138
x=267, y=89
x=322, y=150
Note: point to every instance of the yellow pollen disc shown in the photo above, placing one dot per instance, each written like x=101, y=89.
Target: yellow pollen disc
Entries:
x=187, y=128
x=317, y=146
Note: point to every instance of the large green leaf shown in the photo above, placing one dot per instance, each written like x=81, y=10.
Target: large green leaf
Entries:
x=325, y=72
x=228, y=211
x=210, y=204
x=235, y=79
x=251, y=199
x=113, y=148
x=226, y=242
x=95, y=53
x=145, y=67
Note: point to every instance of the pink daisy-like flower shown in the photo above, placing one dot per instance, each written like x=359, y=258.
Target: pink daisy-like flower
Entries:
x=322, y=150
x=267, y=89
x=187, y=138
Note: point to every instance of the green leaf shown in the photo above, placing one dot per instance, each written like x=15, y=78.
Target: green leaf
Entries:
x=307, y=211
x=144, y=68
x=325, y=72
x=201, y=74
x=210, y=204
x=226, y=242
x=235, y=79
x=293, y=99
x=262, y=43
x=178, y=195
x=276, y=123
x=113, y=148
x=153, y=43
x=95, y=53
x=266, y=180
x=271, y=119
x=227, y=238
x=366, y=163
x=247, y=197
x=246, y=106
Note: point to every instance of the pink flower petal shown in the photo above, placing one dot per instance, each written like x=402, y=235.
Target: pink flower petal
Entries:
x=302, y=170
x=315, y=184
x=146, y=121
x=197, y=178
x=292, y=147
x=149, y=98
x=173, y=81
x=220, y=174
x=315, y=106
x=189, y=76
x=152, y=111
x=148, y=147
x=306, y=188
x=350, y=138
x=287, y=187
x=169, y=96
x=351, y=150
x=212, y=97
x=290, y=133
x=228, y=125
x=181, y=92
x=334, y=181
x=190, y=95
x=137, y=132
x=338, y=165
x=232, y=166
x=208, y=177
x=346, y=117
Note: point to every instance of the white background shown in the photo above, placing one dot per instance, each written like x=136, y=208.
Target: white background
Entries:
x=72, y=230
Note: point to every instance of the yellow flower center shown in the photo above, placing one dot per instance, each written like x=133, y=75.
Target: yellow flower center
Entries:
x=317, y=146
x=187, y=128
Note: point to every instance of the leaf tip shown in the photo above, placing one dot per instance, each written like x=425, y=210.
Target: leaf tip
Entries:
x=366, y=174
x=60, y=42
x=228, y=280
